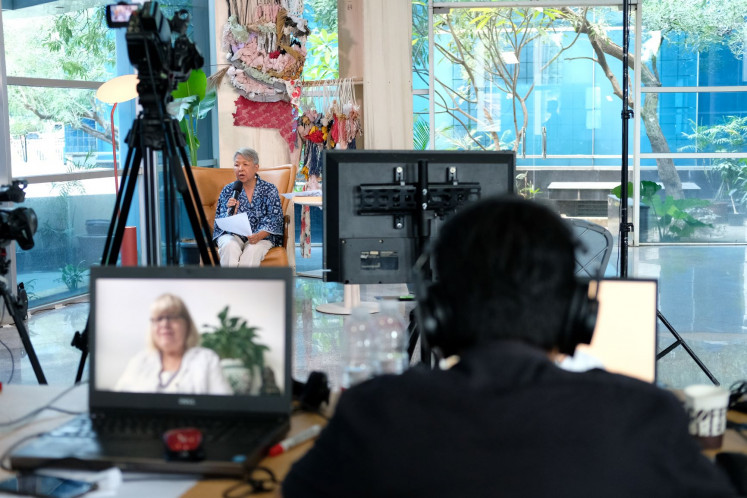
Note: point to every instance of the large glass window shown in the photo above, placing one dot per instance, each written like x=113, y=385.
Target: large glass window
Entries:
x=60, y=141
x=62, y=135
x=546, y=82
x=322, y=62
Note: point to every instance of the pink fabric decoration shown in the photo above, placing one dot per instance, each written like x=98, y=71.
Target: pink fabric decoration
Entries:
x=280, y=115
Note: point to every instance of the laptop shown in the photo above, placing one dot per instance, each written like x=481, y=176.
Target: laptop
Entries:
x=624, y=339
x=132, y=403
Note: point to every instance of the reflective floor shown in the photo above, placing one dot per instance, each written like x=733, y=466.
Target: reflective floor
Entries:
x=702, y=293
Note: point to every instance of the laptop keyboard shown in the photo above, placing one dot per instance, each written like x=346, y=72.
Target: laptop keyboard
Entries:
x=140, y=427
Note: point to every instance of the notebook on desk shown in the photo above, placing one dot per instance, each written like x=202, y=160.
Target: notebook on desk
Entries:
x=135, y=398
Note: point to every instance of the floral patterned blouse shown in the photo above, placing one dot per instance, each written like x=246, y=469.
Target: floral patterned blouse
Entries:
x=265, y=211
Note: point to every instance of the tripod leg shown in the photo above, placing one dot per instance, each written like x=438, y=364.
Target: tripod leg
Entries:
x=123, y=202
x=23, y=333
x=187, y=187
x=681, y=342
x=80, y=341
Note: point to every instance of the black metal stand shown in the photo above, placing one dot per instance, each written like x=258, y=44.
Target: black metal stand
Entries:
x=625, y=227
x=147, y=136
x=681, y=342
x=14, y=308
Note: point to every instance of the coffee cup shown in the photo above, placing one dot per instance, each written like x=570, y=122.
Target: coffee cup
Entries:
x=706, y=408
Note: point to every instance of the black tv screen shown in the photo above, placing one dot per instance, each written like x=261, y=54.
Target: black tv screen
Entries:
x=381, y=207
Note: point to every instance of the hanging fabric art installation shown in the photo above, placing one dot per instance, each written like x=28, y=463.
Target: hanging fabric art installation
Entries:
x=265, y=44
x=336, y=127
x=279, y=115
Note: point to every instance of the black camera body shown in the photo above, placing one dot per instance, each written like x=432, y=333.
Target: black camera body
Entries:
x=161, y=64
x=17, y=224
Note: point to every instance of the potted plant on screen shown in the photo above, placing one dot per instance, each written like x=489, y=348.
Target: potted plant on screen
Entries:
x=192, y=102
x=242, y=356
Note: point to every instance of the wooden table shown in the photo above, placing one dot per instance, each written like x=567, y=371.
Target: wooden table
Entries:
x=280, y=465
x=17, y=400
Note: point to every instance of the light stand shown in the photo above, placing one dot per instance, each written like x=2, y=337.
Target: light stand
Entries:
x=625, y=226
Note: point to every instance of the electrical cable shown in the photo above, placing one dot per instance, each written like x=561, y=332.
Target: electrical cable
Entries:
x=254, y=484
x=12, y=361
x=47, y=406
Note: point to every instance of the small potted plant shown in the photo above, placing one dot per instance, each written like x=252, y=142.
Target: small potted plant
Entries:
x=242, y=357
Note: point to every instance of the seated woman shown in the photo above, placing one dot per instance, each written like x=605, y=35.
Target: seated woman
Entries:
x=261, y=202
x=173, y=363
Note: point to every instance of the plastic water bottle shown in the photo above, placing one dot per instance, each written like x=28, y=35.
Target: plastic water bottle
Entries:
x=360, y=349
x=391, y=336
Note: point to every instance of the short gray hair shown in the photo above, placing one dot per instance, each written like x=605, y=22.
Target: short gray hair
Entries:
x=248, y=154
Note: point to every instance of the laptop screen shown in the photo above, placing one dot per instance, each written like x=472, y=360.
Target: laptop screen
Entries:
x=190, y=338
x=624, y=338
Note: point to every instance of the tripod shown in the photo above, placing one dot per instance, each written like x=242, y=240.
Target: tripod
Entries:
x=148, y=135
x=15, y=306
x=625, y=227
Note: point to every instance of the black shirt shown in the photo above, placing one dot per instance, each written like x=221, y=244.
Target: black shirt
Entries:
x=505, y=421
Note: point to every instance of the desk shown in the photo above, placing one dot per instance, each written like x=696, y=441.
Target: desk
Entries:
x=17, y=400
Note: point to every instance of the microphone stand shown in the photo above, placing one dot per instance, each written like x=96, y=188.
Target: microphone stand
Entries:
x=625, y=227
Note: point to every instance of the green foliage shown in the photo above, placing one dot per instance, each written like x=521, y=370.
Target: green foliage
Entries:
x=234, y=338
x=525, y=187
x=731, y=173
x=72, y=275
x=704, y=25
x=83, y=43
x=192, y=102
x=673, y=218
x=325, y=13
x=74, y=45
x=421, y=134
x=322, y=59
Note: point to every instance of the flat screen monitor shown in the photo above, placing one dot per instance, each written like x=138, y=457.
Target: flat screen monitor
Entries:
x=380, y=207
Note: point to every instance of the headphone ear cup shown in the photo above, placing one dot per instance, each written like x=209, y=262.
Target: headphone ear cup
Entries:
x=581, y=319
x=434, y=317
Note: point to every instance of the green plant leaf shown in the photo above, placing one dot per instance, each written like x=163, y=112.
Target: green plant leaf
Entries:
x=196, y=85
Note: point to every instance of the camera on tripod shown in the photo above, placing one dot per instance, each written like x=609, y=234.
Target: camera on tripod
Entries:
x=161, y=64
x=17, y=224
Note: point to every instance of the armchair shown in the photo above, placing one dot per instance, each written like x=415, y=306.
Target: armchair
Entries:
x=210, y=182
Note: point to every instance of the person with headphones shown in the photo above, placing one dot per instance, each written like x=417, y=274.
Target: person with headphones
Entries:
x=503, y=419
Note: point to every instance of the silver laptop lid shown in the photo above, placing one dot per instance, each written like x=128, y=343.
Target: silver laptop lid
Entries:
x=140, y=314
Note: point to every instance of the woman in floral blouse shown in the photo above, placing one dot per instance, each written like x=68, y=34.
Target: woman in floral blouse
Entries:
x=261, y=202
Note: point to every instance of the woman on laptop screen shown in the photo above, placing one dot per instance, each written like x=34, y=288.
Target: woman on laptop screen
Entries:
x=173, y=363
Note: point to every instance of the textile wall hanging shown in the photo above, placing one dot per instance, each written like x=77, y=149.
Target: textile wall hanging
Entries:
x=330, y=119
x=265, y=44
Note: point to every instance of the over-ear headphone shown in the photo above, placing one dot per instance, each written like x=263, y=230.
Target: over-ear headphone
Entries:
x=439, y=329
x=581, y=318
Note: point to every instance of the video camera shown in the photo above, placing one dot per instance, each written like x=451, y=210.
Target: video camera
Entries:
x=161, y=65
x=16, y=224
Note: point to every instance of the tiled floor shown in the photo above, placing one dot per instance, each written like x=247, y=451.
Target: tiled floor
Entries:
x=703, y=294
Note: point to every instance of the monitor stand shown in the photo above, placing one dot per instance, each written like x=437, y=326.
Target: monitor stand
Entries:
x=352, y=300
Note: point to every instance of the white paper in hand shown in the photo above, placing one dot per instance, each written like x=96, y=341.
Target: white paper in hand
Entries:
x=238, y=224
